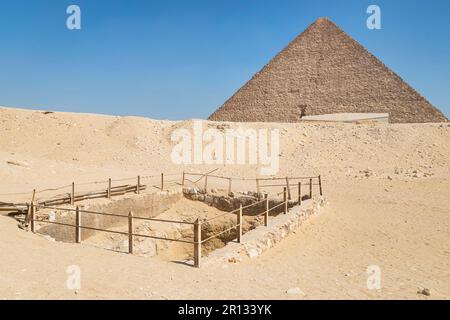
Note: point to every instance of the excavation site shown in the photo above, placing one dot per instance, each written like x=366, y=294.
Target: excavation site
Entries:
x=178, y=220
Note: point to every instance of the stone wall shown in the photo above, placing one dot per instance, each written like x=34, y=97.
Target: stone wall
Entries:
x=261, y=239
x=147, y=205
x=232, y=203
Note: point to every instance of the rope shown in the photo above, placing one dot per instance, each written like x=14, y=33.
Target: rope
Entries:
x=234, y=211
x=112, y=231
x=216, y=217
x=14, y=194
x=155, y=176
x=204, y=175
x=113, y=215
x=220, y=233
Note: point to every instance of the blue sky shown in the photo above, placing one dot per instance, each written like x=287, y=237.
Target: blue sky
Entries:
x=178, y=59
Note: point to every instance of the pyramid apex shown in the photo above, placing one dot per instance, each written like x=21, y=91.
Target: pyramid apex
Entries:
x=323, y=19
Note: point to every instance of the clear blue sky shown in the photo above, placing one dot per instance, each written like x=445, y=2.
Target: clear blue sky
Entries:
x=177, y=59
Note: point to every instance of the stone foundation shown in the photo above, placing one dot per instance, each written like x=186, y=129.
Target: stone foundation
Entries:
x=255, y=242
x=232, y=202
x=147, y=205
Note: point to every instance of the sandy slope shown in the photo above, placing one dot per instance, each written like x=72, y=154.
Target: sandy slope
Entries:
x=64, y=146
x=388, y=187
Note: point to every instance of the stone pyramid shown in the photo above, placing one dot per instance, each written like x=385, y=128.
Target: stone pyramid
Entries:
x=325, y=71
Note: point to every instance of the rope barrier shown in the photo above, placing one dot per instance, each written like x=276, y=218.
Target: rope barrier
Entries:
x=220, y=233
x=90, y=183
x=216, y=217
x=197, y=225
x=234, y=211
x=278, y=205
x=258, y=215
x=166, y=175
x=112, y=231
x=113, y=215
x=14, y=194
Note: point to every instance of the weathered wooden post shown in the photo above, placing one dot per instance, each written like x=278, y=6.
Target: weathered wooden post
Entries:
x=320, y=186
x=197, y=243
x=266, y=214
x=77, y=225
x=72, y=194
x=162, y=181
x=28, y=217
x=130, y=233
x=310, y=189
x=206, y=184
x=108, y=193
x=33, y=196
x=285, y=200
x=239, y=225
x=258, y=190
x=32, y=210
x=229, y=186
x=299, y=193
x=182, y=181
x=138, y=186
x=288, y=188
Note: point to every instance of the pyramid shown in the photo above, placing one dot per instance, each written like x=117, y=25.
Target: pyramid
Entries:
x=325, y=71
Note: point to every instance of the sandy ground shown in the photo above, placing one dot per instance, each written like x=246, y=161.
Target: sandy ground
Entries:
x=387, y=186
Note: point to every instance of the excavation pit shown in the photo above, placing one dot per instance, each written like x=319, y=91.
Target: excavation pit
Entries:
x=217, y=212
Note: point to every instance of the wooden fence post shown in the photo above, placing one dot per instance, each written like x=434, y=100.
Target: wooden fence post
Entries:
x=239, y=225
x=266, y=214
x=33, y=196
x=28, y=217
x=285, y=200
x=138, y=186
x=72, y=194
x=310, y=189
x=32, y=210
x=258, y=190
x=288, y=188
x=197, y=243
x=130, y=233
x=109, y=189
x=320, y=186
x=206, y=184
x=182, y=181
x=162, y=181
x=299, y=193
x=77, y=225
x=229, y=186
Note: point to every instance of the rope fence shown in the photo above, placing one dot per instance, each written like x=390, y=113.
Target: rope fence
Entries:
x=73, y=195
x=288, y=185
x=238, y=226
x=131, y=234
x=78, y=225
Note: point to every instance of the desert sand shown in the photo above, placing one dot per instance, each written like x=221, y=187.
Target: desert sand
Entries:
x=387, y=185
